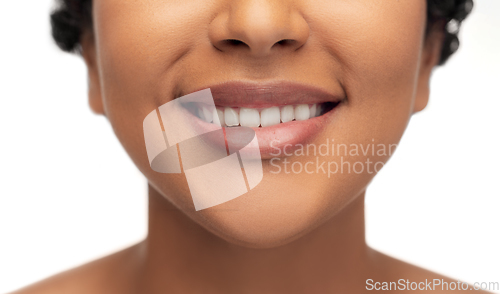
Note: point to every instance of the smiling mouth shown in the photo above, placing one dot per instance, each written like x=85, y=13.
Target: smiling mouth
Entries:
x=260, y=105
x=281, y=113
x=262, y=117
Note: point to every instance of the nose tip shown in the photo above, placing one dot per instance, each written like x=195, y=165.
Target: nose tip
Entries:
x=258, y=28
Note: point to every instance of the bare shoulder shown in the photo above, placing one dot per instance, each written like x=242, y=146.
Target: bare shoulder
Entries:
x=400, y=275
x=110, y=274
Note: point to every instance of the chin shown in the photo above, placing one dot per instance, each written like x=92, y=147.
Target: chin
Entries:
x=274, y=214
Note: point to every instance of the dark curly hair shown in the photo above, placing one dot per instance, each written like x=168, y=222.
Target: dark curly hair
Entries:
x=72, y=17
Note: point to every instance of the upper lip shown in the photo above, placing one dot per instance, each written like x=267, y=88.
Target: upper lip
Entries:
x=267, y=94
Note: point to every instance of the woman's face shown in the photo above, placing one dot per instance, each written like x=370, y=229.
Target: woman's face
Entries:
x=372, y=56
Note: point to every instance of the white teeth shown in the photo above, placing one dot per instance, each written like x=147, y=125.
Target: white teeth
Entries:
x=287, y=113
x=218, y=117
x=302, y=112
x=312, y=111
x=318, y=110
x=249, y=117
x=231, y=117
x=270, y=116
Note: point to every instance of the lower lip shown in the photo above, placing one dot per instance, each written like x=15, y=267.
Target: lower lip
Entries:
x=282, y=139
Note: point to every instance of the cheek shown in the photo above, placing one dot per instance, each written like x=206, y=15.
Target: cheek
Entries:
x=137, y=44
x=381, y=57
x=379, y=48
x=378, y=51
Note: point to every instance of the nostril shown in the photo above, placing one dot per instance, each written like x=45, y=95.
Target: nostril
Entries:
x=234, y=42
x=228, y=44
x=284, y=42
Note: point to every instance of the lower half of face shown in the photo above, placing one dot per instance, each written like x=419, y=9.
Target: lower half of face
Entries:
x=320, y=149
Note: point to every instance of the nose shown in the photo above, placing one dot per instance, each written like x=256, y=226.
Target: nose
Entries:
x=258, y=27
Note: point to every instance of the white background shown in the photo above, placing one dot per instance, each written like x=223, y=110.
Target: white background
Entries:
x=70, y=194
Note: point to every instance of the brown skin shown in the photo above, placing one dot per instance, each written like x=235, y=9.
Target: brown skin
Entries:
x=294, y=233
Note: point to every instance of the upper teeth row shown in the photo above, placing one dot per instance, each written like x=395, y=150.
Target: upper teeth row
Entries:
x=251, y=117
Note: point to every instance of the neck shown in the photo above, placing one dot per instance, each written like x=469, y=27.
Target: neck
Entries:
x=181, y=256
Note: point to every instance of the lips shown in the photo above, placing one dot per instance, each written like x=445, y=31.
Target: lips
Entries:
x=283, y=114
x=267, y=94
